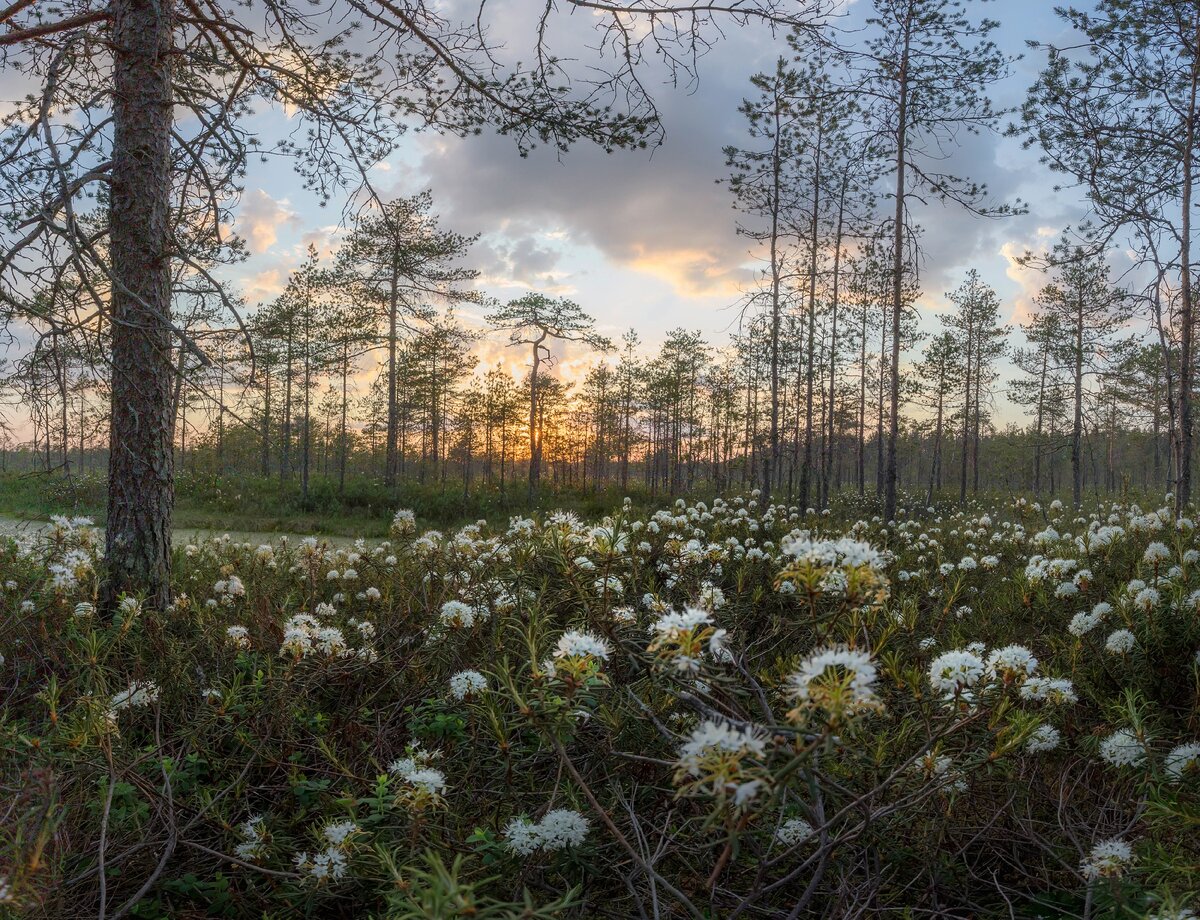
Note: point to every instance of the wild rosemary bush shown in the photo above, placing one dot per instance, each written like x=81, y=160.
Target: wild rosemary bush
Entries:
x=708, y=712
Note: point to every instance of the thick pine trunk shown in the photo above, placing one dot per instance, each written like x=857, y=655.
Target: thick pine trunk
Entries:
x=141, y=465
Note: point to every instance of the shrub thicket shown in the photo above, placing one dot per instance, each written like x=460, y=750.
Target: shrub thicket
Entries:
x=720, y=711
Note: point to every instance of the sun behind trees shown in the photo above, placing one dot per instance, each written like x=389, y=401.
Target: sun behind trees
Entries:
x=105, y=182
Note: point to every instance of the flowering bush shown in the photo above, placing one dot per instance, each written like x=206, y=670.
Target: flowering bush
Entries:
x=708, y=711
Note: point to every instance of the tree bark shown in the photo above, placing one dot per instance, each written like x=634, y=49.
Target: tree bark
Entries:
x=1077, y=423
x=889, y=504
x=535, y=446
x=141, y=489
x=771, y=465
x=833, y=330
x=814, y=227
x=389, y=463
x=1183, y=491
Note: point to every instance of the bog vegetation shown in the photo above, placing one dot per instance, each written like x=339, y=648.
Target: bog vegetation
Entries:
x=729, y=710
x=824, y=693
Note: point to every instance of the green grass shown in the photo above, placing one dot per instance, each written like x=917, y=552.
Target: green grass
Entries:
x=237, y=503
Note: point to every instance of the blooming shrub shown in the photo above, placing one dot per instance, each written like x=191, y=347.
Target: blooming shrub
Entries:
x=709, y=711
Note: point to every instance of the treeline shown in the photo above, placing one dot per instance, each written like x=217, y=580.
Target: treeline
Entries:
x=364, y=364
x=689, y=415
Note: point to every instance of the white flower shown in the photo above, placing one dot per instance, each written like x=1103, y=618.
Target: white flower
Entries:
x=1044, y=738
x=467, y=683
x=457, y=614
x=1054, y=689
x=1123, y=748
x=1066, y=589
x=577, y=644
x=329, y=864
x=711, y=736
x=1120, y=642
x=711, y=597
x=238, y=636
x=562, y=828
x=253, y=832
x=403, y=523
x=1108, y=859
x=674, y=623
x=331, y=641
x=1182, y=759
x=521, y=836
x=338, y=833
x=1012, y=662
x=427, y=780
x=1146, y=599
x=609, y=584
x=624, y=615
x=139, y=693
x=1049, y=535
x=844, y=552
x=857, y=663
x=1155, y=553
x=1083, y=622
x=953, y=671
x=559, y=829
x=717, y=647
x=415, y=770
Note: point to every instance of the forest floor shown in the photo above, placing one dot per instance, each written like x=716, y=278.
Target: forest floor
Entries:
x=208, y=504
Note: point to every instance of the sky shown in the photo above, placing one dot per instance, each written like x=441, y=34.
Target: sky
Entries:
x=646, y=239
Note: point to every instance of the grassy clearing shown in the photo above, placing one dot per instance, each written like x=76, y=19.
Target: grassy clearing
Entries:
x=251, y=504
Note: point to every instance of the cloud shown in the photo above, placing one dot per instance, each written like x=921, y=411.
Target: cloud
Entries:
x=266, y=284
x=326, y=240
x=260, y=218
x=519, y=260
x=660, y=212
